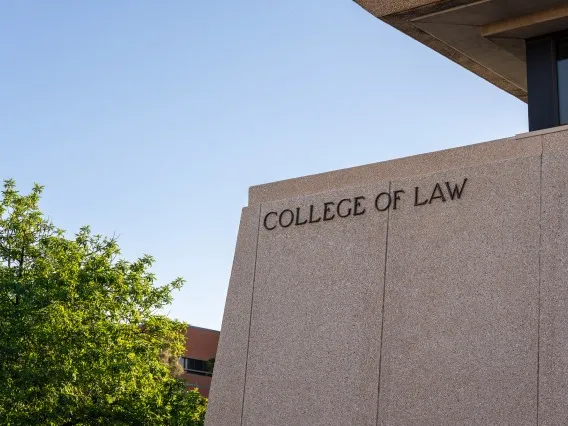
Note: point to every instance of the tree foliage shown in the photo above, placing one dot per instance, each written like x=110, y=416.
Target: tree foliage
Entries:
x=81, y=342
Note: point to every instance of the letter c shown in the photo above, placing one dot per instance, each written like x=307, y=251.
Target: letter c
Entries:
x=266, y=220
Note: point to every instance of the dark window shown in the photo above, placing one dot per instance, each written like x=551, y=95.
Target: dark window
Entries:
x=542, y=82
x=195, y=366
x=547, y=80
x=562, y=70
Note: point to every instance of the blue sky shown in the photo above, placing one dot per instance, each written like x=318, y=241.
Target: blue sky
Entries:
x=150, y=119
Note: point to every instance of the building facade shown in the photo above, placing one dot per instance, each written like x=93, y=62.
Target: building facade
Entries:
x=199, y=358
x=432, y=288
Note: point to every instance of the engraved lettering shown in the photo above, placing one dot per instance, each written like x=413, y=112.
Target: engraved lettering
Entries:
x=378, y=201
x=357, y=204
x=348, y=212
x=346, y=207
x=269, y=228
x=311, y=220
x=326, y=210
x=416, y=202
x=282, y=216
x=437, y=190
x=298, y=218
x=456, y=192
x=397, y=197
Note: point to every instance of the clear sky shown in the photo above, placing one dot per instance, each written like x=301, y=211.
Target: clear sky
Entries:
x=150, y=119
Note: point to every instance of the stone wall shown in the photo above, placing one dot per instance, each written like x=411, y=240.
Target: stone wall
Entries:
x=426, y=290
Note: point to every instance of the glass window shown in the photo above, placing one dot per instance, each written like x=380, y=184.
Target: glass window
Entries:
x=562, y=64
x=195, y=366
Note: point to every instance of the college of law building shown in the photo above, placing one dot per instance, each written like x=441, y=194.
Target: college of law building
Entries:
x=428, y=290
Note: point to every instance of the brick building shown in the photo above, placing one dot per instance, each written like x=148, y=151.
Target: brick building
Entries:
x=200, y=350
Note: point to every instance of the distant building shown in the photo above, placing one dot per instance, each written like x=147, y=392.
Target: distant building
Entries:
x=199, y=358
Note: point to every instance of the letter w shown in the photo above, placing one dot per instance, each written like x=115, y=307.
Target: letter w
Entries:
x=456, y=192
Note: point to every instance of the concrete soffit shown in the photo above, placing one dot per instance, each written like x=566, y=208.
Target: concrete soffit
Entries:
x=486, y=37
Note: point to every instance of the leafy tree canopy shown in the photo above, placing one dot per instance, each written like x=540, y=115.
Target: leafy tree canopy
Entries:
x=81, y=340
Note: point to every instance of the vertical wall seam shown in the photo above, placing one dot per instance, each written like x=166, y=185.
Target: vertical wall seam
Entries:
x=383, y=312
x=539, y=286
x=250, y=313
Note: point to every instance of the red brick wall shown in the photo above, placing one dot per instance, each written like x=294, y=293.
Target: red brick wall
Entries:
x=201, y=383
x=200, y=344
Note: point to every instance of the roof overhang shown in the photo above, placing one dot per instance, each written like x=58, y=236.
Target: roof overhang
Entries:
x=486, y=37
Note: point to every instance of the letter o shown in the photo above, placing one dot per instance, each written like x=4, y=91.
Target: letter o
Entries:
x=282, y=215
x=378, y=199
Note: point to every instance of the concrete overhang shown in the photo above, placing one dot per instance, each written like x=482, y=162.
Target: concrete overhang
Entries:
x=486, y=37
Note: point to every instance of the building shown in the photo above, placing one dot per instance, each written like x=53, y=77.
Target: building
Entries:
x=521, y=46
x=198, y=360
x=427, y=290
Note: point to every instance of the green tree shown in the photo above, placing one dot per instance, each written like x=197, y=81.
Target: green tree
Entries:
x=81, y=342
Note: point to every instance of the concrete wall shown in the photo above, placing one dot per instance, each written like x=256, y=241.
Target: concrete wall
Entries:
x=448, y=305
